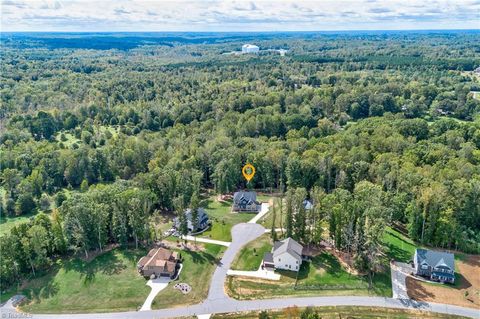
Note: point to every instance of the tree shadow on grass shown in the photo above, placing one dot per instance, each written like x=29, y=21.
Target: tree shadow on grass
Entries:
x=398, y=254
x=41, y=287
x=108, y=264
x=202, y=258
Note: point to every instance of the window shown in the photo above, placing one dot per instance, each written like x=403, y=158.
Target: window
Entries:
x=297, y=262
x=424, y=266
x=279, y=260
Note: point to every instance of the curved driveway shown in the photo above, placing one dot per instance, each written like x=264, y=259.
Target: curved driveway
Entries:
x=218, y=302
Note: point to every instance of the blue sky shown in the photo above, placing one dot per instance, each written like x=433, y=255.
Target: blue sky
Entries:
x=216, y=15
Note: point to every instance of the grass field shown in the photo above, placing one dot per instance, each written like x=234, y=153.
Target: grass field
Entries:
x=398, y=246
x=341, y=312
x=222, y=219
x=7, y=223
x=250, y=257
x=110, y=282
x=198, y=268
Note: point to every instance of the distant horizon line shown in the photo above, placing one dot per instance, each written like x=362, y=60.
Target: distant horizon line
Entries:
x=259, y=31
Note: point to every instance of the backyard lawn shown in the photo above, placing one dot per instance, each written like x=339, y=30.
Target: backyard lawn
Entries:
x=109, y=282
x=250, y=257
x=198, y=268
x=222, y=219
x=398, y=246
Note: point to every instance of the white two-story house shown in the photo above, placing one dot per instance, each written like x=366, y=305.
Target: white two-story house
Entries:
x=286, y=254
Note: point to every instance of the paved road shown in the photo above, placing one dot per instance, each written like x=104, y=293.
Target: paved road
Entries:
x=218, y=302
x=231, y=305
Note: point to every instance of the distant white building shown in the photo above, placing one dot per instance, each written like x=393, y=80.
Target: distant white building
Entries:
x=250, y=48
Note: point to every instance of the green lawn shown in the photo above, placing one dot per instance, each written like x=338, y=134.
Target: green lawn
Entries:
x=222, y=219
x=250, y=257
x=198, y=268
x=110, y=282
x=398, y=246
x=7, y=223
x=324, y=275
x=342, y=312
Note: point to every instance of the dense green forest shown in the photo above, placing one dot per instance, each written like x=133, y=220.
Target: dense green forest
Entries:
x=376, y=129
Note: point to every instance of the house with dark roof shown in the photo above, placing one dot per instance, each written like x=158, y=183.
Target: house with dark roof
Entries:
x=286, y=254
x=246, y=202
x=307, y=205
x=435, y=265
x=159, y=262
x=203, y=222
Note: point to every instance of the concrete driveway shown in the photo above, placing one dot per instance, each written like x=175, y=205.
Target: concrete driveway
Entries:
x=263, y=211
x=157, y=285
x=399, y=272
x=241, y=234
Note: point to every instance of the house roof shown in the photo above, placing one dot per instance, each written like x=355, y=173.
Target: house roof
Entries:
x=436, y=258
x=307, y=204
x=159, y=257
x=201, y=215
x=248, y=196
x=268, y=258
x=288, y=245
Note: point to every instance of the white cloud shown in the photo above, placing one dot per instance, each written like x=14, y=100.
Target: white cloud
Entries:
x=237, y=15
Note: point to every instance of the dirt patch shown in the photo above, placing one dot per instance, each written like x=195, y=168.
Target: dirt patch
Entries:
x=190, y=246
x=465, y=292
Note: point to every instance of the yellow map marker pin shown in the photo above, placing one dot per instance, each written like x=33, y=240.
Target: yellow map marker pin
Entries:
x=248, y=171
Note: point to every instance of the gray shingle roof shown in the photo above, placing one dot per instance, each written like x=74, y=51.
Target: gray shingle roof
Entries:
x=435, y=258
x=268, y=258
x=248, y=196
x=288, y=245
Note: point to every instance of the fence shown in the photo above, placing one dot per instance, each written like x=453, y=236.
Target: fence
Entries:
x=330, y=287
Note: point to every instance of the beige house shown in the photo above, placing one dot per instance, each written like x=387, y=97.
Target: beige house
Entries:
x=159, y=262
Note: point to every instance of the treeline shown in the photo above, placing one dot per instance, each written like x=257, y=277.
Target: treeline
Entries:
x=111, y=214
x=107, y=148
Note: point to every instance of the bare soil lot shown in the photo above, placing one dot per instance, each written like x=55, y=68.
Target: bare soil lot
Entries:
x=465, y=292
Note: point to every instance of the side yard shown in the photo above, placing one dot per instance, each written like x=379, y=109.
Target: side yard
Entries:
x=198, y=268
x=109, y=282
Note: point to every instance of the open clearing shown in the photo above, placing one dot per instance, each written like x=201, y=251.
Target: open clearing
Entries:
x=467, y=280
x=342, y=312
x=220, y=213
x=110, y=282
